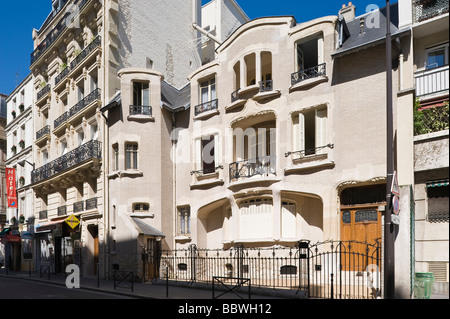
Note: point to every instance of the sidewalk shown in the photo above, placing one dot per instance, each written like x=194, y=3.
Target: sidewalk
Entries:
x=137, y=290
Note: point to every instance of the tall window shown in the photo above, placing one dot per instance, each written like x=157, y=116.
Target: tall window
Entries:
x=208, y=91
x=184, y=218
x=437, y=56
x=256, y=219
x=310, y=131
x=207, y=154
x=131, y=156
x=141, y=94
x=115, y=149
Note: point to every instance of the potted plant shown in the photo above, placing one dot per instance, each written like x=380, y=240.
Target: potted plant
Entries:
x=21, y=107
x=22, y=180
x=13, y=220
x=21, y=219
x=22, y=143
x=14, y=149
x=13, y=113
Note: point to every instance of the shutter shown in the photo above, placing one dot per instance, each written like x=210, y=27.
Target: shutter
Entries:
x=288, y=220
x=208, y=155
x=321, y=130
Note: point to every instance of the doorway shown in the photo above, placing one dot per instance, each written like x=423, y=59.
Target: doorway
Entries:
x=94, y=249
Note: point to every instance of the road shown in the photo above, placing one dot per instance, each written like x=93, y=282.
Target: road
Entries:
x=11, y=288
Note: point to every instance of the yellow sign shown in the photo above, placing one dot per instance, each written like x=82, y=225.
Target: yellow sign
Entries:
x=72, y=221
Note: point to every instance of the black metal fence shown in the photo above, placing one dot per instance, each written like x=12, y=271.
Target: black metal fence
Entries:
x=331, y=269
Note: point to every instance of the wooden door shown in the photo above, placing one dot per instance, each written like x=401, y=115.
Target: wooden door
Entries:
x=360, y=228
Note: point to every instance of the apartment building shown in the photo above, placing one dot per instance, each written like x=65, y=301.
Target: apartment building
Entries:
x=3, y=110
x=81, y=52
x=430, y=27
x=19, y=162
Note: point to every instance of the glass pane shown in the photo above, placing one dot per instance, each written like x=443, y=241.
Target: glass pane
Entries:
x=145, y=94
x=436, y=58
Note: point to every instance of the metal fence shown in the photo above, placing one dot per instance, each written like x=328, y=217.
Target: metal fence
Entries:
x=332, y=269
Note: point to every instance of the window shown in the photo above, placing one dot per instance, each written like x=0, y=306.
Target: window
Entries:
x=288, y=220
x=309, y=53
x=141, y=94
x=437, y=56
x=208, y=91
x=256, y=219
x=207, y=154
x=115, y=163
x=131, y=161
x=310, y=132
x=141, y=208
x=184, y=217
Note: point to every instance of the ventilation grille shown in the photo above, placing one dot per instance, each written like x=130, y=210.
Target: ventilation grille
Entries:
x=440, y=271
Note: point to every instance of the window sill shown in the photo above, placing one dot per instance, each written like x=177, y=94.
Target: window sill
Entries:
x=141, y=118
x=236, y=104
x=183, y=238
x=308, y=83
x=267, y=95
x=126, y=173
x=314, y=162
x=206, y=114
x=142, y=215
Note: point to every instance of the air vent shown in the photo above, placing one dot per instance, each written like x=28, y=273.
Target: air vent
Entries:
x=440, y=271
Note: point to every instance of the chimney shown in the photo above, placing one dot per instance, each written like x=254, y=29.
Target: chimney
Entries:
x=348, y=12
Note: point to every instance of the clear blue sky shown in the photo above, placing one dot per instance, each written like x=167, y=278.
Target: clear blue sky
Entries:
x=18, y=18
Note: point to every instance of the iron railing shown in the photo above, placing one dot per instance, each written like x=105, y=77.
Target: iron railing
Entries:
x=91, y=203
x=86, y=51
x=62, y=75
x=43, y=92
x=82, y=206
x=78, y=207
x=43, y=214
x=61, y=26
x=90, y=150
x=62, y=211
x=235, y=96
x=94, y=95
x=60, y=120
x=207, y=106
x=265, y=86
x=42, y=132
x=427, y=9
x=263, y=165
x=310, y=151
x=331, y=269
x=314, y=72
x=141, y=110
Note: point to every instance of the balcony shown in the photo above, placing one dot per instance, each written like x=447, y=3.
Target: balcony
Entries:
x=42, y=134
x=71, y=12
x=85, y=153
x=93, y=96
x=141, y=110
x=85, y=53
x=207, y=108
x=432, y=119
x=428, y=9
x=44, y=92
x=62, y=211
x=261, y=166
x=432, y=81
x=86, y=205
x=310, y=73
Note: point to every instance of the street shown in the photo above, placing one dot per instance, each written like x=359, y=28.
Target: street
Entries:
x=12, y=288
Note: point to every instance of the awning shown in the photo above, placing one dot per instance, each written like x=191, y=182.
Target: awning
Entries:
x=47, y=227
x=146, y=229
x=440, y=183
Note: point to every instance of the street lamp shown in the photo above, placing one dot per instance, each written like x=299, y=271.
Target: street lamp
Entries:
x=389, y=248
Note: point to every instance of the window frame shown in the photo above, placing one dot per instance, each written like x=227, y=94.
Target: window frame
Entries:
x=445, y=47
x=131, y=156
x=184, y=220
x=139, y=91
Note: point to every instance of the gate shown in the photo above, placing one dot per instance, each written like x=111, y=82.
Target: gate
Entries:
x=341, y=270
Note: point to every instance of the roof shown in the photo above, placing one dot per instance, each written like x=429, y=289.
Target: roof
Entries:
x=357, y=36
x=146, y=229
x=175, y=99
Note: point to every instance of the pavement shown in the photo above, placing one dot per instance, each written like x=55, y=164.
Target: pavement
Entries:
x=159, y=289
x=147, y=290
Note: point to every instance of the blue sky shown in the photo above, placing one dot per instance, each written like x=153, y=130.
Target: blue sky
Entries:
x=16, y=29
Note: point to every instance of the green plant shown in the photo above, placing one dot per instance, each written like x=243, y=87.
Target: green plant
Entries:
x=433, y=119
x=63, y=66
x=43, y=84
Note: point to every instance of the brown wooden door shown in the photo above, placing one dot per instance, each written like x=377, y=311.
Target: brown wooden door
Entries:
x=362, y=225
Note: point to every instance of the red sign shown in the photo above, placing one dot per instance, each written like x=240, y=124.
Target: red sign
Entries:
x=11, y=187
x=12, y=239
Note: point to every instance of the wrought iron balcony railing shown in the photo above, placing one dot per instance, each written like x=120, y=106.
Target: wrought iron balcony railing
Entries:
x=427, y=9
x=265, y=86
x=94, y=95
x=310, y=151
x=265, y=165
x=62, y=75
x=60, y=120
x=86, y=51
x=141, y=110
x=235, y=96
x=42, y=132
x=314, y=72
x=82, y=206
x=78, y=207
x=43, y=214
x=91, y=203
x=207, y=106
x=71, y=12
x=89, y=151
x=43, y=92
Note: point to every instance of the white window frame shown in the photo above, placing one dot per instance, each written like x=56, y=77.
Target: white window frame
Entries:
x=320, y=131
x=256, y=219
x=143, y=97
x=199, y=151
x=444, y=46
x=184, y=220
x=207, y=90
